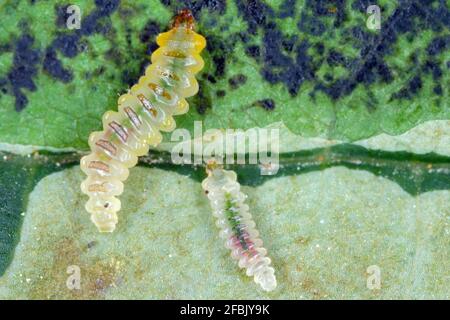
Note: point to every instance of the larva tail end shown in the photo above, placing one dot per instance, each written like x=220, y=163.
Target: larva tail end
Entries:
x=104, y=221
x=184, y=17
x=266, y=280
x=106, y=229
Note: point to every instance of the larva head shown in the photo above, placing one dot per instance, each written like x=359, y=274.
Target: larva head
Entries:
x=185, y=19
x=182, y=35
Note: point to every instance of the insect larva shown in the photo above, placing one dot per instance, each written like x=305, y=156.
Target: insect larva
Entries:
x=237, y=226
x=143, y=112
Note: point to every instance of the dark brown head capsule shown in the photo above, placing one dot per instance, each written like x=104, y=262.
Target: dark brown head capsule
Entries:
x=184, y=17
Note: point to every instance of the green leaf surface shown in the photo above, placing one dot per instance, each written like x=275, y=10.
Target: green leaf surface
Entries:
x=322, y=229
x=415, y=174
x=317, y=67
x=18, y=176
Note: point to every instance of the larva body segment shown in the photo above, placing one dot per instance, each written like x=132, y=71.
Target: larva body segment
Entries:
x=143, y=112
x=237, y=227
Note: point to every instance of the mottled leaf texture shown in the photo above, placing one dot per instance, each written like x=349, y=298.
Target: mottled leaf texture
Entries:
x=313, y=64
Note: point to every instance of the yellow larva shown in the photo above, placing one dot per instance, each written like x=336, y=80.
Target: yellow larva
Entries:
x=143, y=112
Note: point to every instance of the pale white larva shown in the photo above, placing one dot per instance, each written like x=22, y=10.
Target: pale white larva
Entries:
x=237, y=227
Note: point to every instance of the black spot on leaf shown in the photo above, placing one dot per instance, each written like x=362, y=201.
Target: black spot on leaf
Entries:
x=202, y=101
x=70, y=44
x=237, y=81
x=320, y=48
x=211, y=78
x=415, y=84
x=288, y=44
x=149, y=32
x=53, y=66
x=67, y=45
x=252, y=51
x=287, y=9
x=335, y=58
x=285, y=59
x=25, y=67
x=255, y=12
x=438, y=89
x=438, y=45
x=266, y=104
x=218, y=50
x=62, y=15
x=106, y=7
x=433, y=67
x=217, y=6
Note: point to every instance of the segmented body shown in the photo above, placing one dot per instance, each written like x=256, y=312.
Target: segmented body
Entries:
x=237, y=226
x=143, y=112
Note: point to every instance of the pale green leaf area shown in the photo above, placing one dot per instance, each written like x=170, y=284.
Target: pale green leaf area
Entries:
x=429, y=137
x=322, y=230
